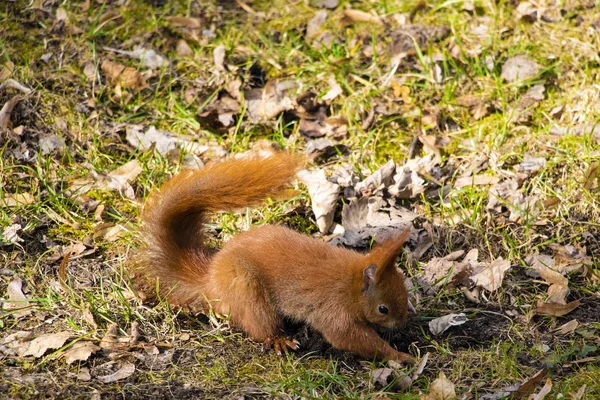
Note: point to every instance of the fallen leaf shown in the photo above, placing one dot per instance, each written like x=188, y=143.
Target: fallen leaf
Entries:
x=123, y=373
x=382, y=376
x=61, y=14
x=526, y=11
x=334, y=91
x=544, y=391
x=126, y=77
x=163, y=141
x=219, y=57
x=51, y=144
x=567, y=328
x=6, y=70
x=530, y=384
x=38, y=346
x=436, y=271
x=324, y=149
x=330, y=4
x=555, y=309
x=6, y=111
x=569, y=259
x=120, y=178
x=18, y=199
x=544, y=266
x=88, y=316
x=490, y=276
x=16, y=299
x=80, y=351
x=109, y=231
x=270, y=101
x=148, y=58
x=475, y=180
x=84, y=375
x=580, y=393
x=361, y=16
x=11, y=83
x=183, y=49
x=403, y=39
x=440, y=325
x=313, y=28
x=323, y=195
x=440, y=389
x=519, y=68
x=110, y=337
x=381, y=178
x=189, y=28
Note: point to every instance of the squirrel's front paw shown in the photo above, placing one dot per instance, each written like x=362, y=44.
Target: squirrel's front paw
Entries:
x=282, y=344
x=403, y=358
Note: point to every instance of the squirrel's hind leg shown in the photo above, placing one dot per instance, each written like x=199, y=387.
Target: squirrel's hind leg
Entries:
x=246, y=300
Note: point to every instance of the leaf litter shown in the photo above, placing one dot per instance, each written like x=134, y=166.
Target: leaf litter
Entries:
x=352, y=205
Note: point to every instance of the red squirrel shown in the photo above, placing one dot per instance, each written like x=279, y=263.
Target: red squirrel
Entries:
x=269, y=272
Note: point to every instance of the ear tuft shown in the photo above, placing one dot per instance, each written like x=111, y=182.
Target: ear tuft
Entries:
x=369, y=274
x=386, y=253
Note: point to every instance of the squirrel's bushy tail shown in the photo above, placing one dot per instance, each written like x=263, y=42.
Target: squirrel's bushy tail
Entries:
x=174, y=249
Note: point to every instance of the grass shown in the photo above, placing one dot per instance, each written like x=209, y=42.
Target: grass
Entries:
x=265, y=44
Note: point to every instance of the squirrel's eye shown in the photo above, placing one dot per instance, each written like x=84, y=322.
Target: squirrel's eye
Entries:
x=383, y=309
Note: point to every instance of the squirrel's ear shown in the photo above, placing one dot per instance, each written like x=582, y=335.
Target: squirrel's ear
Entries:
x=386, y=253
x=369, y=277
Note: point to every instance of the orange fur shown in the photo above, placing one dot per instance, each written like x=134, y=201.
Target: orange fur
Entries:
x=270, y=272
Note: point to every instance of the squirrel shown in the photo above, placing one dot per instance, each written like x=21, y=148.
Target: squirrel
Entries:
x=270, y=272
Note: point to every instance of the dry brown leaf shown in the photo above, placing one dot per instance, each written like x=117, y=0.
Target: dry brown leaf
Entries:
x=570, y=259
x=38, y=346
x=313, y=28
x=123, y=373
x=381, y=178
x=119, y=179
x=88, y=317
x=519, y=68
x=219, y=57
x=148, y=58
x=476, y=180
x=163, y=141
x=6, y=111
x=579, y=394
x=440, y=325
x=438, y=268
x=10, y=234
x=16, y=299
x=361, y=16
x=126, y=77
x=323, y=196
x=491, y=276
x=111, y=337
x=11, y=83
x=441, y=389
x=18, y=199
x=84, y=375
x=183, y=49
x=555, y=309
x=51, y=144
x=530, y=384
x=109, y=231
x=334, y=91
x=6, y=70
x=270, y=101
x=80, y=351
x=544, y=391
x=61, y=14
x=189, y=28
x=567, y=328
